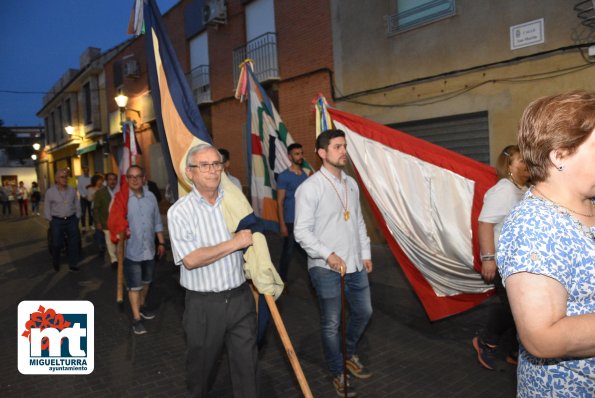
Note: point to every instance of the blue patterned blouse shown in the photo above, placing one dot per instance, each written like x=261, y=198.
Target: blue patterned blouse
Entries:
x=542, y=238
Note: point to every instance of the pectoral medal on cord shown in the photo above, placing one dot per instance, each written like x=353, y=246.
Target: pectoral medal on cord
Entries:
x=64, y=197
x=346, y=213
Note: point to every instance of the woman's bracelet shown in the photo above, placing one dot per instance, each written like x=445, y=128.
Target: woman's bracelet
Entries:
x=487, y=257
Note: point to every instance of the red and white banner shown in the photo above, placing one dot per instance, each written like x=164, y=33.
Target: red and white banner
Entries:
x=426, y=200
x=117, y=220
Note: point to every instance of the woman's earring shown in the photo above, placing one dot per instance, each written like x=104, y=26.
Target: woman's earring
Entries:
x=560, y=168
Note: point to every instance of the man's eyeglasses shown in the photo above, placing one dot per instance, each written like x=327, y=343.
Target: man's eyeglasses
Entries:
x=204, y=167
x=134, y=177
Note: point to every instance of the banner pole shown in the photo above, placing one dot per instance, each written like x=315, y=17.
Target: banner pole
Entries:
x=295, y=364
x=343, y=333
x=120, y=280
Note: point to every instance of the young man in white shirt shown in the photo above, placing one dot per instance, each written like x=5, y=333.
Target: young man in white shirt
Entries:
x=330, y=228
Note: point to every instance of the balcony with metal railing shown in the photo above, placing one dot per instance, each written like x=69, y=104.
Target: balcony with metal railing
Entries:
x=262, y=50
x=199, y=81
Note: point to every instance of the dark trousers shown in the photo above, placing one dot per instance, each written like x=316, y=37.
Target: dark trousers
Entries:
x=99, y=240
x=500, y=321
x=288, y=244
x=86, y=208
x=6, y=208
x=213, y=321
x=264, y=316
x=69, y=228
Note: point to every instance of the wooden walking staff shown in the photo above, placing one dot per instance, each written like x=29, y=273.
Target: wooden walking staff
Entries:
x=295, y=363
x=120, y=280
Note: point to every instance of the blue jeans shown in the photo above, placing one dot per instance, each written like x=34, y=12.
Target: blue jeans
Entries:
x=34, y=207
x=357, y=293
x=138, y=273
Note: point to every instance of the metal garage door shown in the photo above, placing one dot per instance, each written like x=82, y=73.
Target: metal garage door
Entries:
x=466, y=134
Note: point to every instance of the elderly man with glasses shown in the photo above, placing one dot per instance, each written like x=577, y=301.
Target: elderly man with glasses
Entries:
x=219, y=306
x=62, y=210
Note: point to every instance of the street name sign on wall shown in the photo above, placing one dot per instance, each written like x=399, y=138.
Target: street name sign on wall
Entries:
x=526, y=34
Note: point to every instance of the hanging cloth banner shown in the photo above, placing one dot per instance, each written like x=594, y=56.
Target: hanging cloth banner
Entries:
x=268, y=140
x=426, y=200
x=180, y=128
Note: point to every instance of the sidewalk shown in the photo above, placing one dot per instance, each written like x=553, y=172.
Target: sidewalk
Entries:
x=410, y=356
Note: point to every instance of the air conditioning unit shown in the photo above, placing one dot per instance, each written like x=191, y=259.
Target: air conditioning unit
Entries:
x=131, y=68
x=214, y=12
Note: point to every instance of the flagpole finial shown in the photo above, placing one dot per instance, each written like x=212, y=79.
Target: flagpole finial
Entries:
x=248, y=61
x=242, y=86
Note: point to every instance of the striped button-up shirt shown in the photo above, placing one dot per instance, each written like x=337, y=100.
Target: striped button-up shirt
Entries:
x=193, y=224
x=144, y=221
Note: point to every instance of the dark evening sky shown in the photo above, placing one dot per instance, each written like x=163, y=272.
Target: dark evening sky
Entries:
x=41, y=39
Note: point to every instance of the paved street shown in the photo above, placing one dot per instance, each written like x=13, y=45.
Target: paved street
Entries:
x=410, y=356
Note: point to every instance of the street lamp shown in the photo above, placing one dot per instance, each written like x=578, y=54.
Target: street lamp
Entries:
x=70, y=132
x=122, y=101
x=36, y=147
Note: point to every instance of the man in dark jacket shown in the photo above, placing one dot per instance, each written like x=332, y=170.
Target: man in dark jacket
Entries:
x=101, y=205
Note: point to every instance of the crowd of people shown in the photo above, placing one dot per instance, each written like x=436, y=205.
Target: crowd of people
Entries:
x=536, y=234
x=19, y=193
x=75, y=206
